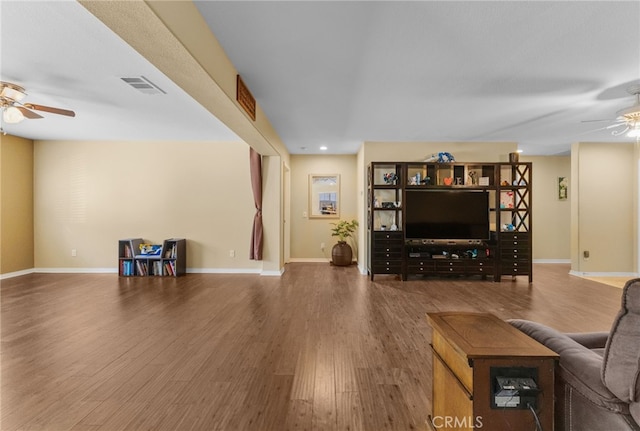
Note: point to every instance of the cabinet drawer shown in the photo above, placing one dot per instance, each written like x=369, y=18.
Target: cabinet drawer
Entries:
x=387, y=243
x=387, y=267
x=451, y=266
x=517, y=267
x=387, y=247
x=420, y=266
x=480, y=267
x=514, y=254
x=516, y=243
x=388, y=253
x=515, y=236
x=420, y=270
x=387, y=235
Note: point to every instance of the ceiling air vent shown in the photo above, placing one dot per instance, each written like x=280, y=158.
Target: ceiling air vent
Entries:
x=143, y=85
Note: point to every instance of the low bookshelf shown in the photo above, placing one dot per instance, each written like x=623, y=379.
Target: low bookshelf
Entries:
x=137, y=257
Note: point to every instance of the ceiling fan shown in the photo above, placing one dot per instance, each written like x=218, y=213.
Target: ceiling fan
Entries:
x=14, y=111
x=627, y=121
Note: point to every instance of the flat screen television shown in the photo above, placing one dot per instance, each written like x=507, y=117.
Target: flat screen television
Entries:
x=447, y=215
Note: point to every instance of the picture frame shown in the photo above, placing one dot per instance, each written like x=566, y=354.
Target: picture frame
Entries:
x=563, y=188
x=324, y=196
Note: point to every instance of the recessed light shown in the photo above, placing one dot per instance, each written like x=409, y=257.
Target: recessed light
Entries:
x=323, y=148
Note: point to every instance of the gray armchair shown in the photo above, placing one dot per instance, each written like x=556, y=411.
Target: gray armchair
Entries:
x=597, y=383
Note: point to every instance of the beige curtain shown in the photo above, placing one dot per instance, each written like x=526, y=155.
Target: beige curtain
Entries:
x=255, y=162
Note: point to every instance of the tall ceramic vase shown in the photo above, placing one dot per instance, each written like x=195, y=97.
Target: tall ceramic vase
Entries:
x=341, y=254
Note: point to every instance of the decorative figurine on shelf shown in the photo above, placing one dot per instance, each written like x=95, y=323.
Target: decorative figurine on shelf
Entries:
x=442, y=157
x=390, y=177
x=473, y=178
x=446, y=158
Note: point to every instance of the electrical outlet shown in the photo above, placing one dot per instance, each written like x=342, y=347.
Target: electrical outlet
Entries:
x=74, y=253
x=322, y=246
x=304, y=214
x=232, y=253
x=585, y=254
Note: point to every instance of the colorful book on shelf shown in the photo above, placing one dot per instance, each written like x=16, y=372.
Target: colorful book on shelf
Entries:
x=168, y=268
x=171, y=251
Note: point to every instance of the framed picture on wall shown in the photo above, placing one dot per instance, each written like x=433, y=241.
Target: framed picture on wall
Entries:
x=563, y=188
x=324, y=196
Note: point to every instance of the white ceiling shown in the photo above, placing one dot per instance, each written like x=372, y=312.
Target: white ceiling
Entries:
x=340, y=73
x=65, y=57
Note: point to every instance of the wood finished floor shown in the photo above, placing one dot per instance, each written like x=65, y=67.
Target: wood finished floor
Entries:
x=320, y=348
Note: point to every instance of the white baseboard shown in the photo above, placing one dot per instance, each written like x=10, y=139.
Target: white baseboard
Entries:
x=16, y=273
x=76, y=270
x=224, y=270
x=275, y=273
x=309, y=260
x=551, y=260
x=604, y=274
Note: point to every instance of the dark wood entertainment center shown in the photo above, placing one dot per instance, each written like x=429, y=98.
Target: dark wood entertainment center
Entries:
x=497, y=246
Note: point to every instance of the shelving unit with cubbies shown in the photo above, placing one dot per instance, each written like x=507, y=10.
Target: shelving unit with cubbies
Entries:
x=171, y=261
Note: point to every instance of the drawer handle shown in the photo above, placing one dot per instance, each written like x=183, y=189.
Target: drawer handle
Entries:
x=515, y=242
x=388, y=236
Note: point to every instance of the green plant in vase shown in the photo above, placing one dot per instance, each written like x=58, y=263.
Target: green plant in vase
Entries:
x=341, y=253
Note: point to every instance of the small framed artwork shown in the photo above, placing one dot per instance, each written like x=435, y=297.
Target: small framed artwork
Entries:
x=563, y=188
x=324, y=196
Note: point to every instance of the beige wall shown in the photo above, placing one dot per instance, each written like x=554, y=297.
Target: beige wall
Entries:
x=90, y=194
x=16, y=204
x=604, y=215
x=551, y=217
x=307, y=234
x=417, y=151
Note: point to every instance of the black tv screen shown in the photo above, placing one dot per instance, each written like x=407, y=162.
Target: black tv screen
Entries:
x=447, y=214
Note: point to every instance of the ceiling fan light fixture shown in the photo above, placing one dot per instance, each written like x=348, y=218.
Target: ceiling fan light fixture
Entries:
x=12, y=115
x=11, y=92
x=634, y=131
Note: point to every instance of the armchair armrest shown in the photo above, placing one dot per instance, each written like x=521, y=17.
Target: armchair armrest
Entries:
x=579, y=367
x=590, y=340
